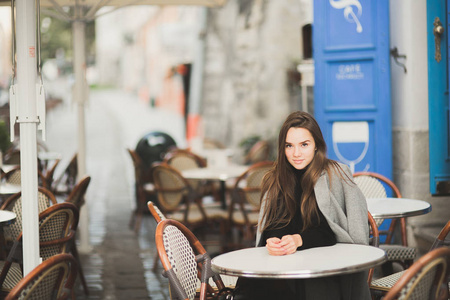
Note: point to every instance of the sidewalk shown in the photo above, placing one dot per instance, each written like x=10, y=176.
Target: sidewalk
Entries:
x=120, y=264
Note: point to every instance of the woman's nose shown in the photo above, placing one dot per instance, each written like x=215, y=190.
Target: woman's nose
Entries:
x=297, y=152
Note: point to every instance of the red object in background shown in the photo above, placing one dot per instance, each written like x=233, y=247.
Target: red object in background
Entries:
x=182, y=70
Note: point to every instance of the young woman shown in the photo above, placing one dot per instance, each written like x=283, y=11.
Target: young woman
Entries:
x=308, y=201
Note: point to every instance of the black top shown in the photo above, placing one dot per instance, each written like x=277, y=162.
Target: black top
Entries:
x=317, y=235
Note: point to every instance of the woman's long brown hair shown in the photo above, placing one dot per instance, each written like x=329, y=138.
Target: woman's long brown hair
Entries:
x=279, y=183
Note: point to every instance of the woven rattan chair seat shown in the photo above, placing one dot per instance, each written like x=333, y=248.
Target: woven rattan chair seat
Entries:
x=194, y=216
x=398, y=252
x=238, y=217
x=386, y=283
x=215, y=212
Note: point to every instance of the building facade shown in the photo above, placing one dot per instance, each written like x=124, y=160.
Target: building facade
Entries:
x=251, y=46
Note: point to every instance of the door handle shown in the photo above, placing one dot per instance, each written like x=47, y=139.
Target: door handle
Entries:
x=438, y=31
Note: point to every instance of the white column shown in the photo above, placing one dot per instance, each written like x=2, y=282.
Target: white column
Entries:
x=27, y=118
x=194, y=121
x=79, y=98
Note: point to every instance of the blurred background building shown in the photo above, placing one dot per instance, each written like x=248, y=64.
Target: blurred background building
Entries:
x=254, y=59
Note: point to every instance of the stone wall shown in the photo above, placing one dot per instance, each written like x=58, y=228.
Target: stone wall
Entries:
x=251, y=47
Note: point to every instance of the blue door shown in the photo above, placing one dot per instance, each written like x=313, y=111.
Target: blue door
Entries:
x=438, y=107
x=352, y=82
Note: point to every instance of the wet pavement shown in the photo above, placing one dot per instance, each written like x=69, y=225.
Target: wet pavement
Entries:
x=121, y=261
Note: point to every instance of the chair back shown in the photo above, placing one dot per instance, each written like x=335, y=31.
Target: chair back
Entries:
x=53, y=278
x=138, y=167
x=156, y=212
x=65, y=183
x=171, y=187
x=374, y=185
x=258, y=152
x=14, y=176
x=49, y=173
x=57, y=227
x=425, y=279
x=14, y=204
x=245, y=204
x=440, y=239
x=183, y=159
x=248, y=185
x=76, y=197
x=184, y=260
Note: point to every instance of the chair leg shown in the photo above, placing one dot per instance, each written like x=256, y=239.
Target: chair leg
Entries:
x=138, y=221
x=80, y=269
x=132, y=218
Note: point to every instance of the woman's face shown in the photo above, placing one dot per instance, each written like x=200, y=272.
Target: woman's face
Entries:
x=300, y=147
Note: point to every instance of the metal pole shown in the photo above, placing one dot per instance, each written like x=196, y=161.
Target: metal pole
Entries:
x=79, y=97
x=27, y=118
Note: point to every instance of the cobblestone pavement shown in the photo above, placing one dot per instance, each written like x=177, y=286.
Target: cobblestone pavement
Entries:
x=120, y=263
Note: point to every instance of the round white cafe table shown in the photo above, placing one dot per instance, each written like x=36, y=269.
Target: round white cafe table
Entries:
x=8, y=167
x=9, y=188
x=222, y=173
x=216, y=172
x=310, y=263
x=388, y=208
x=7, y=217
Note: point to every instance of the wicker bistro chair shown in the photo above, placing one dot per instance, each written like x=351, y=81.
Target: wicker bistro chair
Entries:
x=229, y=281
x=143, y=188
x=245, y=205
x=381, y=286
x=52, y=279
x=260, y=151
x=179, y=201
x=57, y=227
x=14, y=204
x=424, y=279
x=185, y=260
x=373, y=185
x=76, y=197
x=183, y=159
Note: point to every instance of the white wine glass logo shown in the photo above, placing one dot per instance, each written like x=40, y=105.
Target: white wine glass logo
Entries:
x=351, y=136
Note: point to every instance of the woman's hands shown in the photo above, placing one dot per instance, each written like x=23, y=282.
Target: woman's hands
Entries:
x=288, y=244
